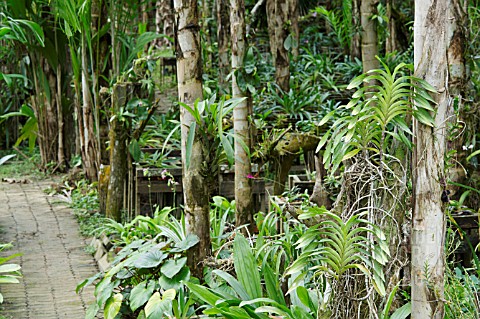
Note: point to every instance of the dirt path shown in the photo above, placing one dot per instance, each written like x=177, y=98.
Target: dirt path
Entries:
x=53, y=261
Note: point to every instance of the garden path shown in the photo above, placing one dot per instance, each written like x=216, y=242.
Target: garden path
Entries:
x=54, y=260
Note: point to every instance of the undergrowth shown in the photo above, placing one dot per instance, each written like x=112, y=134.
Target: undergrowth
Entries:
x=18, y=166
x=84, y=202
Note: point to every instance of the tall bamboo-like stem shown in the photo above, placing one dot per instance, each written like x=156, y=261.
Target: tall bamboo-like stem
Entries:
x=241, y=125
x=189, y=75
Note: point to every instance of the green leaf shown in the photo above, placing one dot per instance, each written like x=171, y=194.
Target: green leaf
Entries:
x=173, y=266
x=154, y=308
x=468, y=158
x=203, y=293
x=246, y=267
x=150, y=259
x=112, y=306
x=9, y=268
x=229, y=152
x=189, y=145
x=135, y=150
x=190, y=241
x=272, y=285
x=403, y=312
x=92, y=311
x=175, y=281
x=234, y=283
x=141, y=293
x=8, y=279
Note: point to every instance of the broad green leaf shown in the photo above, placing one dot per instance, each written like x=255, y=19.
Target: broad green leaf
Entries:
x=140, y=294
x=112, y=306
x=173, y=266
x=154, y=307
x=92, y=311
x=150, y=259
x=176, y=281
x=190, y=241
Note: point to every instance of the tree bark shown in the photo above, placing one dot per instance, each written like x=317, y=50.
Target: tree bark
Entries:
x=90, y=164
x=118, y=155
x=241, y=125
x=369, y=35
x=223, y=35
x=282, y=60
x=189, y=74
x=435, y=25
x=164, y=21
x=293, y=12
x=355, y=45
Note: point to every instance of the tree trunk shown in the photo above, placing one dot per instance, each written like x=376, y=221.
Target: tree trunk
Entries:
x=434, y=39
x=271, y=22
x=223, y=35
x=241, y=125
x=189, y=74
x=164, y=21
x=118, y=154
x=390, y=42
x=293, y=12
x=369, y=35
x=282, y=60
x=90, y=164
x=355, y=45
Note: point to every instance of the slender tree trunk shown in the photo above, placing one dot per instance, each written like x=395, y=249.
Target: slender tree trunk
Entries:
x=223, y=35
x=118, y=155
x=164, y=21
x=282, y=61
x=356, y=46
x=90, y=161
x=391, y=41
x=270, y=8
x=369, y=35
x=277, y=16
x=434, y=39
x=293, y=12
x=241, y=125
x=189, y=74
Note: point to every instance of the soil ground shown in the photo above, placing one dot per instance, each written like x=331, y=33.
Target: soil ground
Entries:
x=53, y=258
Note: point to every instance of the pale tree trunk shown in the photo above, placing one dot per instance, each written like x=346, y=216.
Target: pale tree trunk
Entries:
x=369, y=35
x=241, y=126
x=434, y=44
x=223, y=35
x=189, y=74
